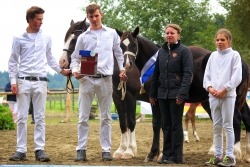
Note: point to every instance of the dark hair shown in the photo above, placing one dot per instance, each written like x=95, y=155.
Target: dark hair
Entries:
x=92, y=8
x=31, y=12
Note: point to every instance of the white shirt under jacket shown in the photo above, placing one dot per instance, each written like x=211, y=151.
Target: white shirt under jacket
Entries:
x=107, y=45
x=29, y=57
x=223, y=70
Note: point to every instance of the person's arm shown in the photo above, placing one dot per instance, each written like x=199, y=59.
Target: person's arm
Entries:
x=52, y=61
x=76, y=58
x=14, y=60
x=119, y=56
x=187, y=70
x=154, y=83
x=207, y=76
x=236, y=75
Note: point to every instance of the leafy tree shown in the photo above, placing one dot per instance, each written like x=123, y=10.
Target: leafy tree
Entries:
x=152, y=16
x=238, y=22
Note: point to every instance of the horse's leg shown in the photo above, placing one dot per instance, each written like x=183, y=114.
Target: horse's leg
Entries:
x=245, y=118
x=194, y=106
x=190, y=115
x=156, y=123
x=131, y=150
x=130, y=101
x=123, y=126
x=237, y=132
x=205, y=105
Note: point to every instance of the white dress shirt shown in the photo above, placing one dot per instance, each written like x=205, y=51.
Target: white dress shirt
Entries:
x=29, y=57
x=106, y=45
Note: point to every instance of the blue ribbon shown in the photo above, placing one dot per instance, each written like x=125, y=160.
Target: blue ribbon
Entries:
x=148, y=73
x=86, y=53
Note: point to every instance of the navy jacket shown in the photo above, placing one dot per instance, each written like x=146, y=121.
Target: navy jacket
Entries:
x=173, y=72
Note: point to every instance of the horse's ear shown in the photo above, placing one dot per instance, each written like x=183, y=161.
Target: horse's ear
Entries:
x=136, y=31
x=119, y=32
x=84, y=19
x=72, y=22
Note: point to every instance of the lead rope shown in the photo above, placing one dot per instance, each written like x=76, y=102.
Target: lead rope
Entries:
x=122, y=85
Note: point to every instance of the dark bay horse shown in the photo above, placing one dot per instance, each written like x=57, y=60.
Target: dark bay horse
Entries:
x=138, y=50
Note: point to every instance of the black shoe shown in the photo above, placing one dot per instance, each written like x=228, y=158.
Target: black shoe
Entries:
x=18, y=156
x=162, y=161
x=41, y=156
x=81, y=155
x=106, y=156
x=169, y=162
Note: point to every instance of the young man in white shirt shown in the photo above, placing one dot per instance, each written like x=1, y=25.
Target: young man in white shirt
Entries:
x=106, y=43
x=30, y=54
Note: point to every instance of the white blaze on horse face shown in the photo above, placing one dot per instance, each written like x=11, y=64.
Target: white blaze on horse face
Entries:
x=126, y=42
x=63, y=62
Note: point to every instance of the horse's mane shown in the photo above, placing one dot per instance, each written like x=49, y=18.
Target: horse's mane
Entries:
x=71, y=29
x=139, y=37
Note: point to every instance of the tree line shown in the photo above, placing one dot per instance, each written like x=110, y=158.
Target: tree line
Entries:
x=57, y=81
x=199, y=24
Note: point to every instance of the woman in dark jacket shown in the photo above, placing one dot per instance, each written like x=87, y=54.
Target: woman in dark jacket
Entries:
x=170, y=86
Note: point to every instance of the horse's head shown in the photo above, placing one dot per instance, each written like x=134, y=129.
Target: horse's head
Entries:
x=129, y=46
x=71, y=36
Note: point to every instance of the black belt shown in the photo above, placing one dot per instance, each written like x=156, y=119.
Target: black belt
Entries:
x=34, y=78
x=98, y=76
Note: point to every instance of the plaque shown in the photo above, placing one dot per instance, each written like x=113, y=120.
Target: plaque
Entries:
x=89, y=62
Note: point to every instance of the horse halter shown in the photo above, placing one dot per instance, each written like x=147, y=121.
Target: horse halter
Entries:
x=126, y=42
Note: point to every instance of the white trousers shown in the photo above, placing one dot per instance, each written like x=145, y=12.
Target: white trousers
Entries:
x=37, y=90
x=222, y=111
x=102, y=88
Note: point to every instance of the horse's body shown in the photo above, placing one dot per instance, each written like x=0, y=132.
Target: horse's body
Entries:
x=142, y=50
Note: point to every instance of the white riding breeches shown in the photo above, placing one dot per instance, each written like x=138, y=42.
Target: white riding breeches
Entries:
x=37, y=90
x=102, y=88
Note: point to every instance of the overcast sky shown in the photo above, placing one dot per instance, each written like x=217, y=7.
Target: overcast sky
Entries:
x=57, y=18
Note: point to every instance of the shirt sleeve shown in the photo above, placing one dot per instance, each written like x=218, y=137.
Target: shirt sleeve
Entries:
x=236, y=76
x=51, y=60
x=75, y=57
x=207, y=75
x=118, y=51
x=14, y=60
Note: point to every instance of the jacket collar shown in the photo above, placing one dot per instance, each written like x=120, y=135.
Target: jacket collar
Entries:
x=225, y=51
x=172, y=46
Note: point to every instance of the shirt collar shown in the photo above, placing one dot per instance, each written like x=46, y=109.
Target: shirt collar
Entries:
x=103, y=28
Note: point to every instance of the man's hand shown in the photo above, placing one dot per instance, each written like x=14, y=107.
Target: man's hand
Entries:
x=77, y=75
x=14, y=89
x=123, y=76
x=65, y=72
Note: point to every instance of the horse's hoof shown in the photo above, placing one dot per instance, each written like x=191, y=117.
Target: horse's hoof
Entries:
x=147, y=159
x=186, y=141
x=197, y=140
x=126, y=156
x=210, y=152
x=117, y=155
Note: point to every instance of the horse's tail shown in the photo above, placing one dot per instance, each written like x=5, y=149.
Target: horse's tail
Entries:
x=242, y=89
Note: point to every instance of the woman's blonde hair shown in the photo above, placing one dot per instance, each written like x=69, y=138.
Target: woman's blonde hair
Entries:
x=174, y=26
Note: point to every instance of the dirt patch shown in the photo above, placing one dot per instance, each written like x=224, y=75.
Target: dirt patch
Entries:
x=61, y=141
